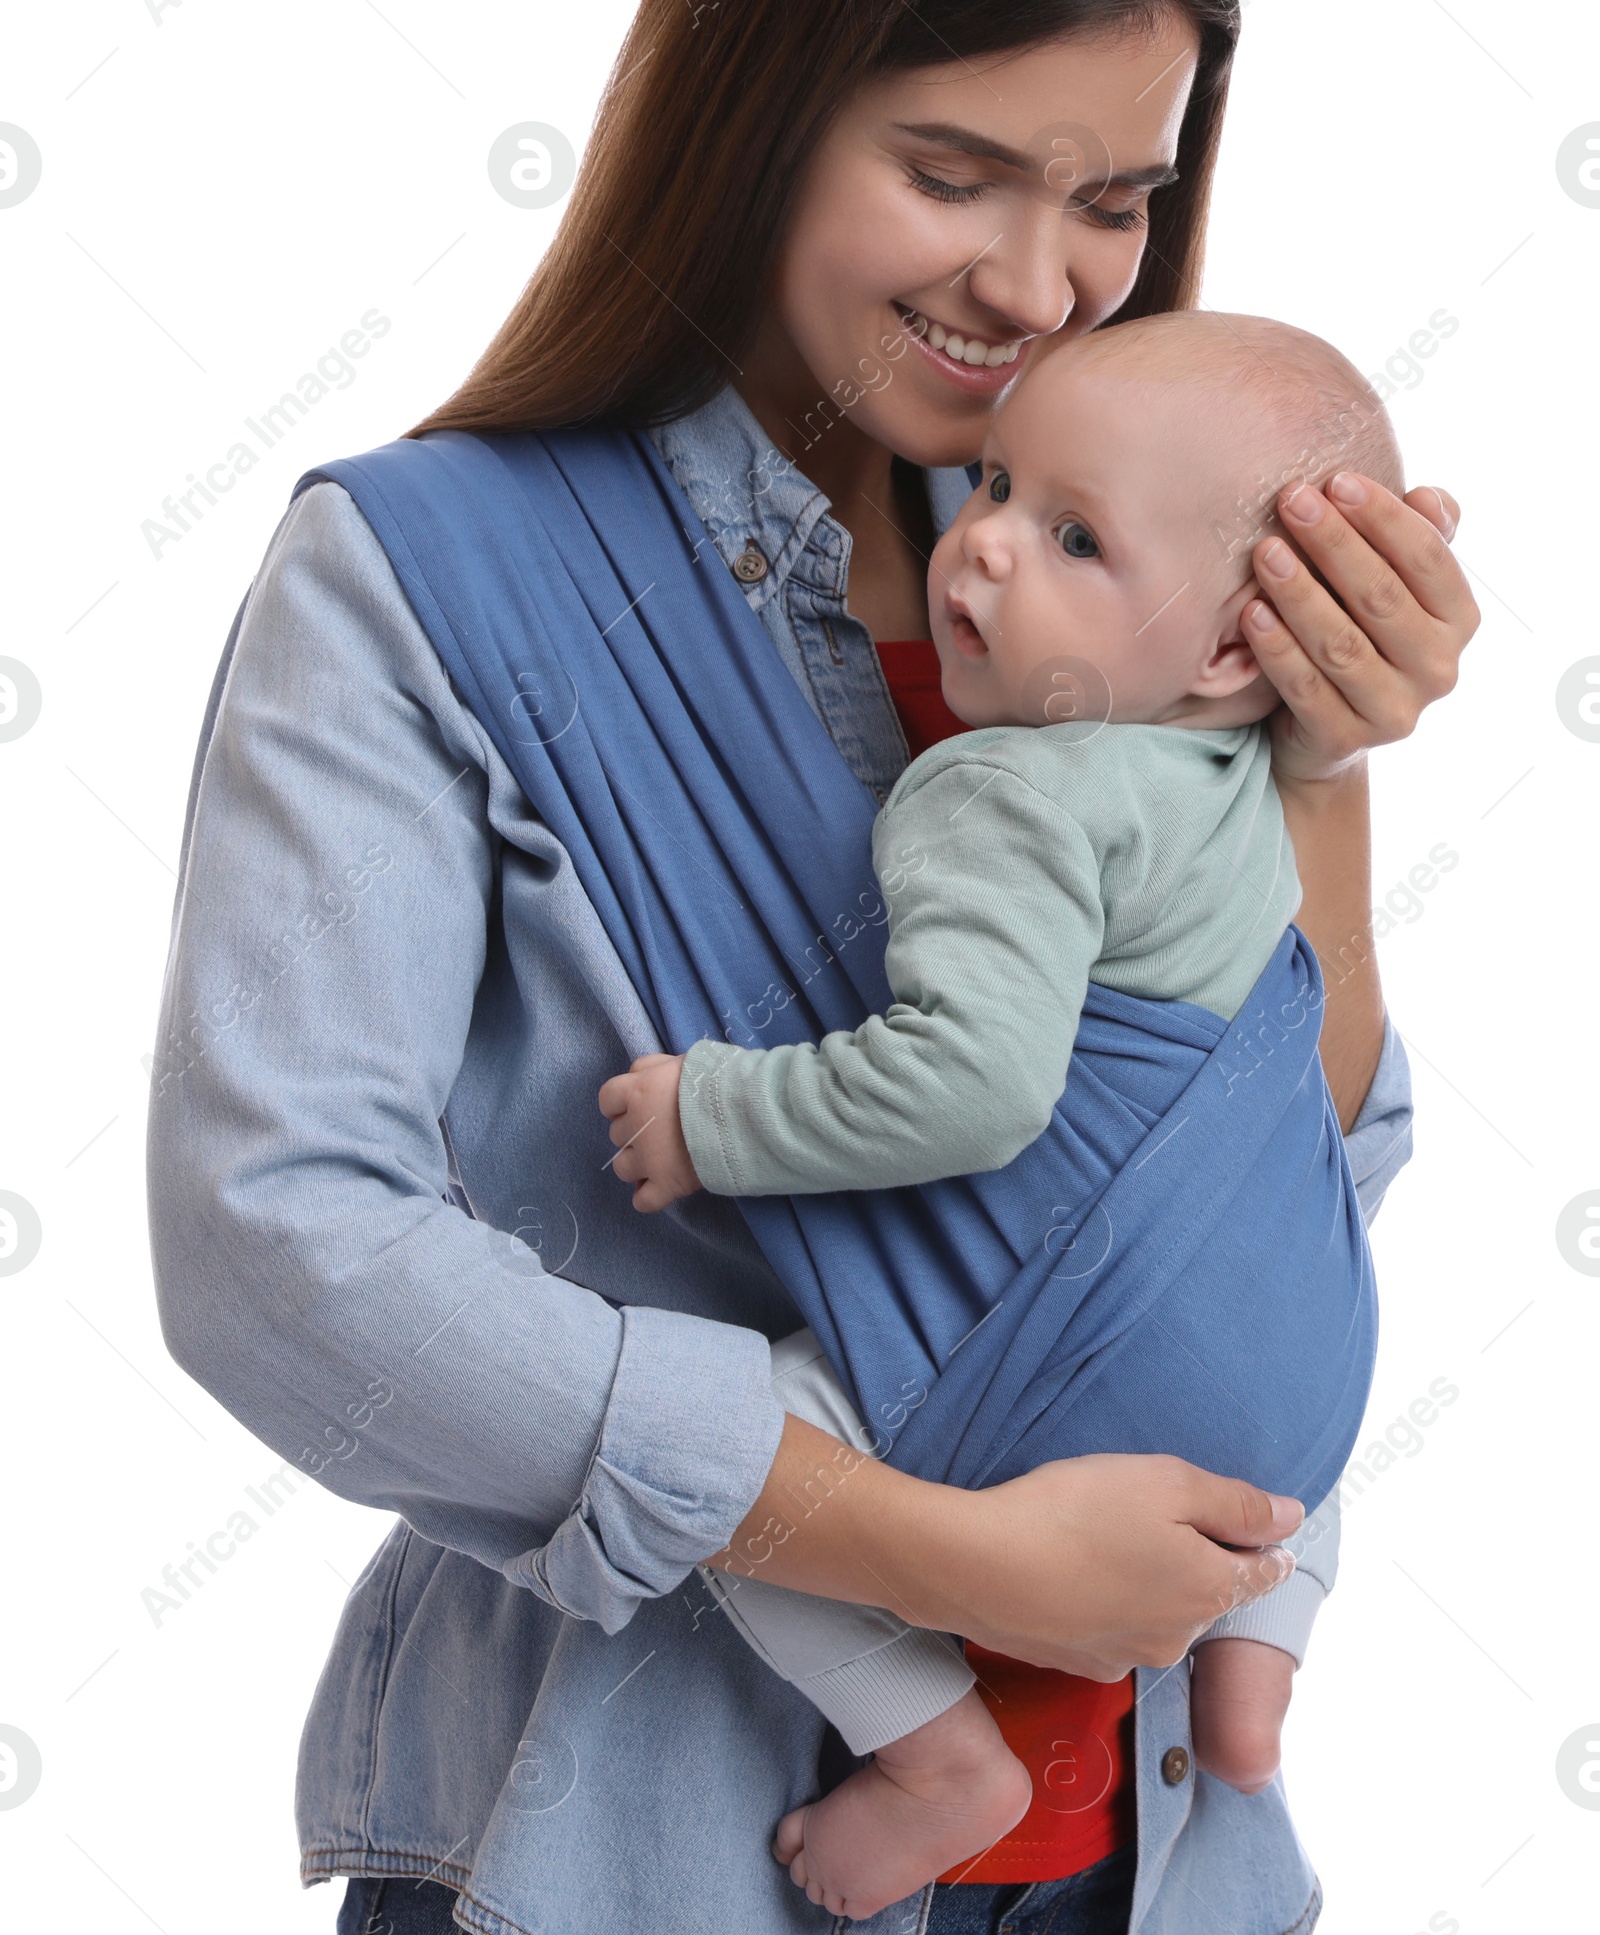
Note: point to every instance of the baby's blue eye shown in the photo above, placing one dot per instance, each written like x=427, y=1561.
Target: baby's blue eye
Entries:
x=999, y=487
x=1078, y=541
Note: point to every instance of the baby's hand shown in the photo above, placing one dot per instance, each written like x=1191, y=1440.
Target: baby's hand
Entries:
x=651, y=1152
x=1237, y=1701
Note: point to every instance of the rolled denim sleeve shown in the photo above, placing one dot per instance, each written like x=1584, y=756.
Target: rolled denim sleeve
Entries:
x=1379, y=1142
x=314, y=1269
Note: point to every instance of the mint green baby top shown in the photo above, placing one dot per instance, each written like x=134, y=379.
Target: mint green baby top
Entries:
x=1017, y=864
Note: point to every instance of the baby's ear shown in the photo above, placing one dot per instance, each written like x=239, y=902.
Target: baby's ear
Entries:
x=1230, y=668
x=1232, y=665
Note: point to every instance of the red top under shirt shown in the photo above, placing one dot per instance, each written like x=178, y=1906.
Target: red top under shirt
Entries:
x=1075, y=1737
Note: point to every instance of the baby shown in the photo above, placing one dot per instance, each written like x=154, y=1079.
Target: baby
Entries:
x=1111, y=817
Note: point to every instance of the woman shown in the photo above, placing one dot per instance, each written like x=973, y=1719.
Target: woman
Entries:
x=390, y=1004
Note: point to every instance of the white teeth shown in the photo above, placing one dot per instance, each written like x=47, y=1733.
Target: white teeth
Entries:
x=975, y=354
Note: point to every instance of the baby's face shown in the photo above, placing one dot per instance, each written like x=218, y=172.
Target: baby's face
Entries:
x=1086, y=575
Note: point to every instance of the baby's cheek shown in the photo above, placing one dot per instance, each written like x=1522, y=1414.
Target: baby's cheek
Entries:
x=944, y=563
x=969, y=693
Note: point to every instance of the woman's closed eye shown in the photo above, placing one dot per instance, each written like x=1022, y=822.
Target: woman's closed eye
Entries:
x=948, y=191
x=965, y=193
x=1121, y=219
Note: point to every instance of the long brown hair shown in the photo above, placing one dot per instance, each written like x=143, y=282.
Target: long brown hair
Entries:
x=651, y=290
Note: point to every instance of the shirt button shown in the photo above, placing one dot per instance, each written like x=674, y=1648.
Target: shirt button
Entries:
x=750, y=567
x=1175, y=1766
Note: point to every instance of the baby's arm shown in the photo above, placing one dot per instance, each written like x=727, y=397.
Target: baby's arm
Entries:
x=995, y=921
x=1244, y=1664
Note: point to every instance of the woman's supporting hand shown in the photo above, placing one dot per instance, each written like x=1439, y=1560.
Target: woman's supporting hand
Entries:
x=1357, y=665
x=1090, y=1565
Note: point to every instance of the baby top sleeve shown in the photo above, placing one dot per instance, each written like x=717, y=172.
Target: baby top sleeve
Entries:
x=995, y=918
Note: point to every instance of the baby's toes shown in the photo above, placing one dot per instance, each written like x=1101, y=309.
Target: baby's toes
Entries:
x=789, y=1842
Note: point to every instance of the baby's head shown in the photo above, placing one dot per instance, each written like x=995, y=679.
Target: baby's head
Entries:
x=1101, y=567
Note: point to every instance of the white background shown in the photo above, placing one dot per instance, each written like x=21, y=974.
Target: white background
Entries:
x=226, y=189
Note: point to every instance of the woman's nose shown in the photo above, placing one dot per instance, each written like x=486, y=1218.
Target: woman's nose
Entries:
x=1026, y=276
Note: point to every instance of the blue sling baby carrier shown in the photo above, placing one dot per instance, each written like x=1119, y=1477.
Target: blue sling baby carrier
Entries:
x=1178, y=1264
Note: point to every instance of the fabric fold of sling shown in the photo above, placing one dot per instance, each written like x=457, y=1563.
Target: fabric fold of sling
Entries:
x=1178, y=1264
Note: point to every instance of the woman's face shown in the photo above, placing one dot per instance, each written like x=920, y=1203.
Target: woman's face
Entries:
x=996, y=204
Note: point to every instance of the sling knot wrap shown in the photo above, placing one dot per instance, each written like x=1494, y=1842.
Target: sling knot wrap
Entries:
x=1178, y=1264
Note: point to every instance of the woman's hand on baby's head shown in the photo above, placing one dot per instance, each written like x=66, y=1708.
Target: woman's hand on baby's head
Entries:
x=1357, y=664
x=651, y=1153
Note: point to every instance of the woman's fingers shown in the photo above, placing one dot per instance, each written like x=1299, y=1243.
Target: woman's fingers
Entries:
x=1376, y=552
x=1164, y=1549
x=1336, y=635
x=1329, y=641
x=1437, y=506
x=1249, y=1521
x=1320, y=720
x=1234, y=1513
x=1361, y=638
x=1387, y=565
x=1254, y=1574
x=1415, y=545
x=1365, y=629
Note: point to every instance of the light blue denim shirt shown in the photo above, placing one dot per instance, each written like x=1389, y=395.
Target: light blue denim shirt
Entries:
x=389, y=1003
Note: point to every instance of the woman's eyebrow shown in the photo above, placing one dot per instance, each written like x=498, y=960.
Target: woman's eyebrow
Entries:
x=945, y=134
x=1158, y=175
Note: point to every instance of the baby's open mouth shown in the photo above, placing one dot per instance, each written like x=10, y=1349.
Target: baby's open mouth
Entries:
x=964, y=634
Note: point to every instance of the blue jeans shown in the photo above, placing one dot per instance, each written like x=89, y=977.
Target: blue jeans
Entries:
x=396, y=1907
x=1096, y=1902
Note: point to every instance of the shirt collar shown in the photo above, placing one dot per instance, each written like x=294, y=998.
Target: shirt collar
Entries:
x=752, y=499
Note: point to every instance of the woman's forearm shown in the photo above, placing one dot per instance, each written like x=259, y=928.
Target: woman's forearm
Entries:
x=1381, y=563
x=1329, y=822
x=832, y=1520
x=1090, y=1565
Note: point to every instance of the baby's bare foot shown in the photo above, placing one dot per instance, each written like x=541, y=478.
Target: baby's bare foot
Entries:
x=1238, y=1698
x=939, y=1796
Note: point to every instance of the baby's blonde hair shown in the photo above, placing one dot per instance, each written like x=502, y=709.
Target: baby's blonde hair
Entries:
x=1314, y=412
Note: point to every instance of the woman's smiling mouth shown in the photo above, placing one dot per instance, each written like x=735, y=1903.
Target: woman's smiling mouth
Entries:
x=973, y=362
